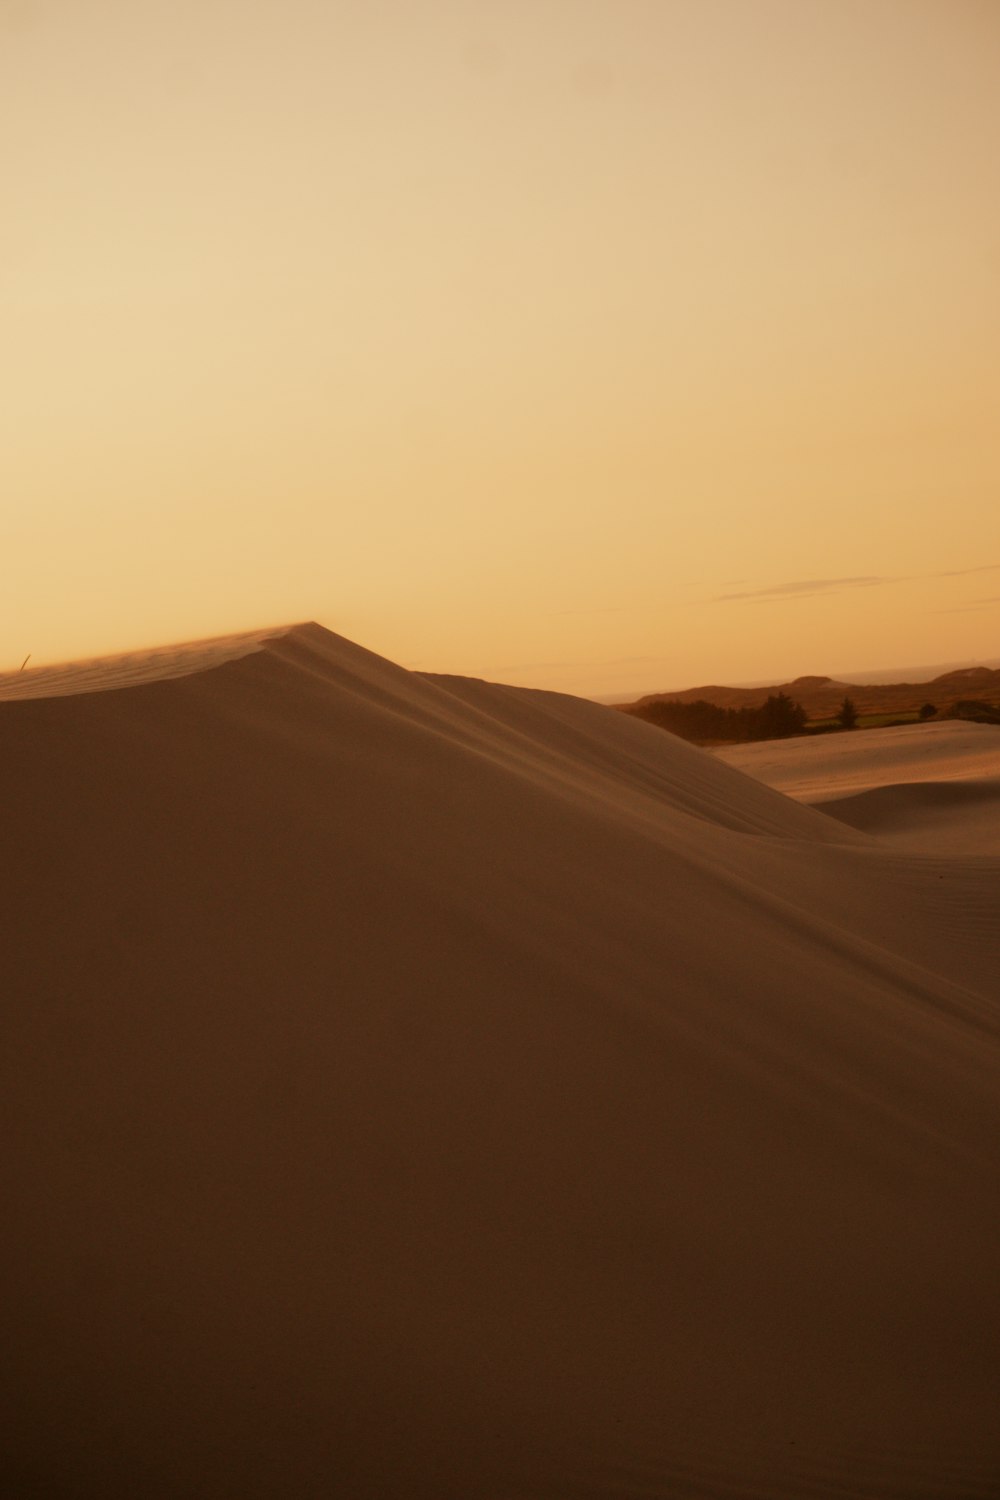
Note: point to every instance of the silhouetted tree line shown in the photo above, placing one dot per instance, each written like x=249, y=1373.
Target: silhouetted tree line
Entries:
x=976, y=710
x=706, y=723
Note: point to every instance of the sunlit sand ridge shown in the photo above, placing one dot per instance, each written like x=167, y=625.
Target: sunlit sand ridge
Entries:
x=418, y=1087
x=131, y=668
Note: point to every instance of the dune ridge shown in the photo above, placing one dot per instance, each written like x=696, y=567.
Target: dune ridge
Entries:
x=130, y=668
x=421, y=1087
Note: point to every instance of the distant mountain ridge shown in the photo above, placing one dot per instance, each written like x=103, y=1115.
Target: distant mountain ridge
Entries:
x=822, y=696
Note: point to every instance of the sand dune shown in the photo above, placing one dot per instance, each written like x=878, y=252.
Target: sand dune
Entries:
x=418, y=1087
x=927, y=788
x=821, y=768
x=944, y=817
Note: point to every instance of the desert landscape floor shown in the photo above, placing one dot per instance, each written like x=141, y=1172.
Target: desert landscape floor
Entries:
x=417, y=1087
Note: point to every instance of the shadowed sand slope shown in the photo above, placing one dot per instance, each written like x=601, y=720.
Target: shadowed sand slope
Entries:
x=953, y=817
x=417, y=1087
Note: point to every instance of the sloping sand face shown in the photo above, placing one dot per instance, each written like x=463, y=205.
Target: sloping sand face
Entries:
x=926, y=788
x=416, y=1087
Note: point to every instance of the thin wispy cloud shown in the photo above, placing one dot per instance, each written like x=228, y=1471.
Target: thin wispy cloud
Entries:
x=806, y=588
x=965, y=572
x=963, y=609
x=802, y=588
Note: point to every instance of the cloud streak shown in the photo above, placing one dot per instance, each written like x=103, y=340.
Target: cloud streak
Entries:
x=807, y=588
x=803, y=588
x=964, y=609
x=965, y=572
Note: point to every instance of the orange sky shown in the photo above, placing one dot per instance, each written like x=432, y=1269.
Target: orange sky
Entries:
x=597, y=344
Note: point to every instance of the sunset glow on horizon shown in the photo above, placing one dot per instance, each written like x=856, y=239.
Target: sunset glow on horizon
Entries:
x=601, y=345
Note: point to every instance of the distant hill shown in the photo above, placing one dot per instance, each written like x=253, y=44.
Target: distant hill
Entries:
x=821, y=697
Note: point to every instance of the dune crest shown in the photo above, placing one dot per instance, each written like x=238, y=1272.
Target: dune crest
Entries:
x=422, y=1087
x=130, y=668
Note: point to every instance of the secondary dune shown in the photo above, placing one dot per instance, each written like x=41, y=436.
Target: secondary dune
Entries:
x=820, y=768
x=420, y=1087
x=926, y=788
x=942, y=817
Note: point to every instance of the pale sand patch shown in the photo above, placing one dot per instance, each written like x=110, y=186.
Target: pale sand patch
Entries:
x=421, y=1088
x=816, y=769
x=926, y=788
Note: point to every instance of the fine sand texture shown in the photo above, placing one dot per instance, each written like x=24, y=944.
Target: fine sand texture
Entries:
x=927, y=788
x=415, y=1087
